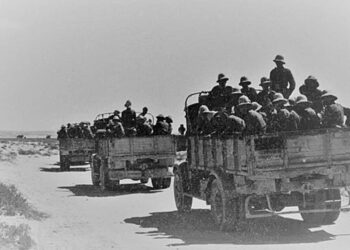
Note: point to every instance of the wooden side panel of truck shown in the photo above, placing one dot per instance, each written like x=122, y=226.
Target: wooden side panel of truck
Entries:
x=75, y=150
x=137, y=158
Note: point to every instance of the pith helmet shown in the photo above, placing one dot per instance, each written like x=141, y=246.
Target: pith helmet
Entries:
x=169, y=119
x=244, y=81
x=278, y=97
x=311, y=80
x=203, y=109
x=328, y=95
x=279, y=58
x=127, y=103
x=302, y=100
x=244, y=100
x=160, y=117
x=264, y=81
x=222, y=77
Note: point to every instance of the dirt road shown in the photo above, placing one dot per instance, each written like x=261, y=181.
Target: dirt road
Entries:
x=137, y=217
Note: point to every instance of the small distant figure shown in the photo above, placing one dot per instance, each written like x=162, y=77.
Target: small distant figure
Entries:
x=266, y=95
x=129, y=119
x=161, y=127
x=48, y=137
x=246, y=90
x=169, y=121
x=181, y=129
x=281, y=77
x=333, y=113
x=62, y=133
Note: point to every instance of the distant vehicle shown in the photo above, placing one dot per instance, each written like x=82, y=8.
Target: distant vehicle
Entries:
x=136, y=158
x=75, y=151
x=21, y=137
x=244, y=177
x=48, y=137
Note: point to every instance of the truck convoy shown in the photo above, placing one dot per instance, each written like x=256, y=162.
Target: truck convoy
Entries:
x=244, y=177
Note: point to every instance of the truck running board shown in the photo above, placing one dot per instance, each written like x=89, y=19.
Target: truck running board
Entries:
x=270, y=212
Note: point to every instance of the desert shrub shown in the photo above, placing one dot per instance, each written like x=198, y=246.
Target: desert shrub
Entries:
x=13, y=203
x=15, y=236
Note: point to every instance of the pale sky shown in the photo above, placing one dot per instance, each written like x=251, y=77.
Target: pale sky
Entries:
x=68, y=60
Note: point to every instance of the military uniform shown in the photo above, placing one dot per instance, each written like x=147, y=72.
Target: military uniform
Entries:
x=234, y=124
x=280, y=78
x=308, y=118
x=254, y=122
x=62, y=133
x=144, y=129
x=333, y=116
x=250, y=93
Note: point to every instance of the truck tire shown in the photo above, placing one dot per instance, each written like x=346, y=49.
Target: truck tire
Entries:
x=105, y=182
x=64, y=163
x=95, y=170
x=318, y=201
x=182, y=201
x=225, y=210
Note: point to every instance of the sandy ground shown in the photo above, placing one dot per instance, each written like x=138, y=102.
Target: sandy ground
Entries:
x=137, y=217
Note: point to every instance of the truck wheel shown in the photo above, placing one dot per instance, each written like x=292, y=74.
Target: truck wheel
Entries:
x=105, y=182
x=182, y=201
x=64, y=163
x=334, y=203
x=224, y=210
x=95, y=170
x=318, y=201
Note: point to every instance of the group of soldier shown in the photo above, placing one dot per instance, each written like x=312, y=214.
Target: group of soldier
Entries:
x=129, y=124
x=271, y=110
x=75, y=130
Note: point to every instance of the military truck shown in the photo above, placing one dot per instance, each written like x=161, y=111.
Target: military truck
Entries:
x=136, y=158
x=75, y=151
x=245, y=177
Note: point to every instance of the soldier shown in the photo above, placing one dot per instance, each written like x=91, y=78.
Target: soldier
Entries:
x=129, y=119
x=144, y=111
x=254, y=121
x=161, y=127
x=266, y=94
x=70, y=131
x=87, y=133
x=312, y=93
x=333, y=113
x=308, y=117
x=247, y=91
x=181, y=129
x=62, y=133
x=169, y=120
x=280, y=78
x=221, y=89
x=115, y=128
x=219, y=122
x=281, y=116
x=143, y=128
x=220, y=94
x=234, y=124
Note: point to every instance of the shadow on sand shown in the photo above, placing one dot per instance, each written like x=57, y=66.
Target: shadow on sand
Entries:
x=124, y=189
x=72, y=169
x=197, y=227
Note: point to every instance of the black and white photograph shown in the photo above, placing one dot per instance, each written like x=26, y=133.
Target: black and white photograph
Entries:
x=174, y=124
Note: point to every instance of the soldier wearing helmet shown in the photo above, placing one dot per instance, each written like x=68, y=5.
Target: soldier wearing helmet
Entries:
x=333, y=113
x=281, y=77
x=161, y=127
x=129, y=119
x=308, y=117
x=266, y=94
x=246, y=90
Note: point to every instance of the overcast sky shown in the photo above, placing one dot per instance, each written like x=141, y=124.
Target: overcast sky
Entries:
x=68, y=60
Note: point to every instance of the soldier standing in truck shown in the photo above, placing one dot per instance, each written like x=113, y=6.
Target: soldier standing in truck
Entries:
x=129, y=119
x=280, y=78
